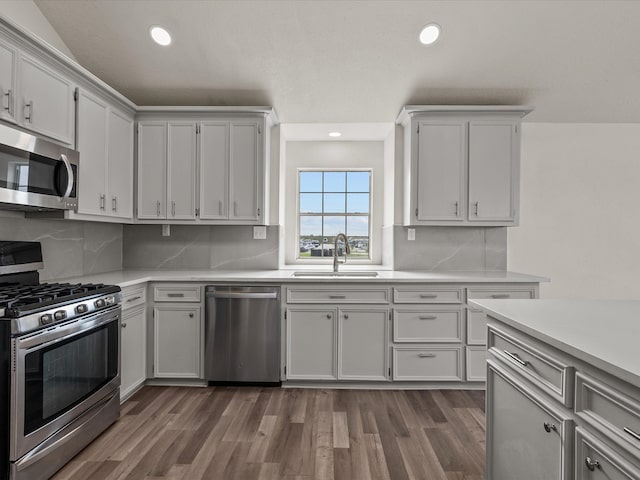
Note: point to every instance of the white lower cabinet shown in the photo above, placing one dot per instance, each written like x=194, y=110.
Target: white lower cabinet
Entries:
x=596, y=461
x=526, y=437
x=476, y=363
x=177, y=341
x=427, y=363
x=133, y=351
x=337, y=344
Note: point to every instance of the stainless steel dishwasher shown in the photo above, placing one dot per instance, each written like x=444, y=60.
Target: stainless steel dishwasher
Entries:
x=242, y=334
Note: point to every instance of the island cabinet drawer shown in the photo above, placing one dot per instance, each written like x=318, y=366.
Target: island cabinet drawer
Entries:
x=477, y=293
x=595, y=460
x=134, y=296
x=427, y=295
x=534, y=361
x=427, y=325
x=177, y=293
x=609, y=410
x=337, y=295
x=432, y=363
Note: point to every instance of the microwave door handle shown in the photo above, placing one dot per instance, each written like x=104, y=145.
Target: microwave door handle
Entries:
x=67, y=165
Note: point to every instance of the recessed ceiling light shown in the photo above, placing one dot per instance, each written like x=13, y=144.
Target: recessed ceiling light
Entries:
x=160, y=35
x=430, y=34
x=335, y=134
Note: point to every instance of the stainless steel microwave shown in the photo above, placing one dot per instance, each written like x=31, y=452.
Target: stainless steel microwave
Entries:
x=36, y=174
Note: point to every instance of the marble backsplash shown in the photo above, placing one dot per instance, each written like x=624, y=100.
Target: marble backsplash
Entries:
x=450, y=248
x=200, y=247
x=69, y=248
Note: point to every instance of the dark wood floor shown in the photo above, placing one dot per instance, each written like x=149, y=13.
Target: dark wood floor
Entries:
x=270, y=433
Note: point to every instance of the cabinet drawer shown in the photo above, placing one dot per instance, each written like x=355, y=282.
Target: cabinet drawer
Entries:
x=606, y=464
x=134, y=296
x=476, y=364
x=176, y=293
x=535, y=362
x=496, y=293
x=438, y=363
x=608, y=410
x=337, y=295
x=427, y=325
x=476, y=327
x=427, y=295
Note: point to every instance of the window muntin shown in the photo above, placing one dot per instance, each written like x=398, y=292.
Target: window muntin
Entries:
x=332, y=202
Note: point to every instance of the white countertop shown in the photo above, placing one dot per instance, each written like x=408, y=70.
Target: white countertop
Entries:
x=125, y=278
x=603, y=333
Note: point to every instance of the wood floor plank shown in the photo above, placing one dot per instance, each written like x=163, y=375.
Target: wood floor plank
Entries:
x=247, y=433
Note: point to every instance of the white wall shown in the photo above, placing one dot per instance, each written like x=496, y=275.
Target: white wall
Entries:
x=580, y=210
x=26, y=14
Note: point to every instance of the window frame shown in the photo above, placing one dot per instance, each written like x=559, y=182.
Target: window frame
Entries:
x=323, y=259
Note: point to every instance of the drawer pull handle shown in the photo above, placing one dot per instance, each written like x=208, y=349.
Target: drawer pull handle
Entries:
x=428, y=317
x=426, y=355
x=428, y=295
x=632, y=433
x=516, y=358
x=592, y=464
x=500, y=295
x=548, y=427
x=175, y=295
x=133, y=299
x=337, y=296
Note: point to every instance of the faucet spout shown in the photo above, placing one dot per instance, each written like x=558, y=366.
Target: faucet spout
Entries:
x=347, y=250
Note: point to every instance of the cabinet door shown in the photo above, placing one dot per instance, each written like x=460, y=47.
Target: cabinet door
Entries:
x=311, y=334
x=133, y=350
x=177, y=337
x=526, y=438
x=181, y=162
x=362, y=344
x=595, y=460
x=92, y=145
x=152, y=168
x=214, y=170
x=440, y=168
x=120, y=164
x=245, y=178
x=8, y=58
x=47, y=101
x=493, y=153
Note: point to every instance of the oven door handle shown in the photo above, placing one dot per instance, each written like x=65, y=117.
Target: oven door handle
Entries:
x=56, y=334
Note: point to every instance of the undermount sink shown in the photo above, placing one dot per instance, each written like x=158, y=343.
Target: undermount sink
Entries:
x=324, y=273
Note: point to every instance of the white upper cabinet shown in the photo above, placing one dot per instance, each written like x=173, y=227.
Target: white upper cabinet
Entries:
x=181, y=169
x=8, y=62
x=105, y=143
x=493, y=173
x=214, y=170
x=461, y=165
x=46, y=104
x=152, y=170
x=245, y=182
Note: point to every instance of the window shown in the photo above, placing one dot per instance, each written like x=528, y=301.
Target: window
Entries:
x=332, y=202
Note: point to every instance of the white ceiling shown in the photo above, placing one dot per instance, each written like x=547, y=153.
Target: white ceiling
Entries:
x=331, y=61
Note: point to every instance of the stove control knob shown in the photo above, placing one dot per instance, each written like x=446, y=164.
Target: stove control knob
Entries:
x=46, y=319
x=82, y=308
x=60, y=315
x=99, y=303
x=110, y=300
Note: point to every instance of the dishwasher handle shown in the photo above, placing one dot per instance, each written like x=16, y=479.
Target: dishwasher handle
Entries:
x=241, y=295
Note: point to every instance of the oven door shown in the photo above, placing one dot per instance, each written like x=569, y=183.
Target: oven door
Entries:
x=60, y=372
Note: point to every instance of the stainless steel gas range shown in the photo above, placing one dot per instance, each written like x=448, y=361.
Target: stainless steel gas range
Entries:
x=59, y=365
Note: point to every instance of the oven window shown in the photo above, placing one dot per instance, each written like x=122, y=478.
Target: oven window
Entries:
x=59, y=377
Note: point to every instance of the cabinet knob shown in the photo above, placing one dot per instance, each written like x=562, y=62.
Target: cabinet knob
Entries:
x=191, y=315
x=591, y=464
x=548, y=427
x=328, y=315
x=346, y=316
x=124, y=325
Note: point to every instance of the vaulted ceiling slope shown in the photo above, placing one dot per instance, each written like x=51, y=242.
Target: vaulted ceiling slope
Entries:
x=360, y=61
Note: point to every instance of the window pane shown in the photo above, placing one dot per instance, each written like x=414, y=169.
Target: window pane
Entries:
x=335, y=181
x=358, y=233
x=310, y=203
x=358, y=203
x=358, y=181
x=310, y=181
x=333, y=225
x=334, y=203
